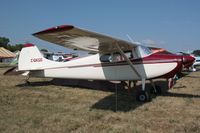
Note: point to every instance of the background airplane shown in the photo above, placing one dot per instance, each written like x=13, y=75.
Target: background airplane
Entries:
x=196, y=63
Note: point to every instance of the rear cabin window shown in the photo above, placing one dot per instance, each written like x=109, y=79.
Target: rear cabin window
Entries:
x=105, y=58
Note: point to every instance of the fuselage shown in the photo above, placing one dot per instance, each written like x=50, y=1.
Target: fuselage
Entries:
x=92, y=67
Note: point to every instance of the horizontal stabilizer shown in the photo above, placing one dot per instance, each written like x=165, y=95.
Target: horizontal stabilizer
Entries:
x=13, y=71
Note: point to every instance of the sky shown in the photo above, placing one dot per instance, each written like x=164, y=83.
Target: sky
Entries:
x=170, y=24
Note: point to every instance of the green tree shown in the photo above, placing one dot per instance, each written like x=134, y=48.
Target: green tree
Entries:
x=14, y=48
x=18, y=47
x=4, y=42
x=196, y=52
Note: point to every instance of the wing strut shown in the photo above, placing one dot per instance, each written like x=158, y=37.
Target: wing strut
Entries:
x=128, y=60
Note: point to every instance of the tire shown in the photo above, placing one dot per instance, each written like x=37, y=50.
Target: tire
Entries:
x=142, y=96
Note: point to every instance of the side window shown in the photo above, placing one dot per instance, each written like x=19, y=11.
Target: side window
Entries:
x=129, y=54
x=105, y=58
x=116, y=57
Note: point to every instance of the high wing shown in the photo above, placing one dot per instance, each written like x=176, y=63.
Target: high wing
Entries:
x=81, y=39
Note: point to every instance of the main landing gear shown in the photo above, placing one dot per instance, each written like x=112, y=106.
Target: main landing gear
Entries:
x=144, y=96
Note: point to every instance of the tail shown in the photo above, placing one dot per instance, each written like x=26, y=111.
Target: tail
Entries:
x=30, y=58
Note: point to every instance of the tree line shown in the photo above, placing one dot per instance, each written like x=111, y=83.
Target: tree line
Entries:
x=196, y=52
x=4, y=42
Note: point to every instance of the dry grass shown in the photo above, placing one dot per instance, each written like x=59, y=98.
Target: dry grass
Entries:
x=45, y=106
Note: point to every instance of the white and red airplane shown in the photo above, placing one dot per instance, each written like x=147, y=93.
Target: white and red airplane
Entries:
x=115, y=59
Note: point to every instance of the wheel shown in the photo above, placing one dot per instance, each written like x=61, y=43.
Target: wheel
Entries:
x=142, y=96
x=157, y=90
x=194, y=69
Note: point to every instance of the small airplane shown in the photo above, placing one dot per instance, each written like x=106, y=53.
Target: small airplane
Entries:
x=196, y=63
x=114, y=59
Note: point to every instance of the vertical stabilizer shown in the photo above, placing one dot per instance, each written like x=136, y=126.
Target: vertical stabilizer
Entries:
x=30, y=58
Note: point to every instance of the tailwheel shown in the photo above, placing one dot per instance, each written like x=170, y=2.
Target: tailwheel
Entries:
x=142, y=96
x=156, y=90
x=27, y=78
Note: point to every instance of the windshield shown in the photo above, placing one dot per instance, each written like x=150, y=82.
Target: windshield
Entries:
x=142, y=51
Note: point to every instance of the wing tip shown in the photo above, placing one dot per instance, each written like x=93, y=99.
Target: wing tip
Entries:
x=28, y=45
x=54, y=29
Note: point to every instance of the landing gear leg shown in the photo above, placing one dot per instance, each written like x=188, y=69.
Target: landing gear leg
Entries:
x=27, y=82
x=171, y=82
x=143, y=95
x=193, y=69
x=155, y=88
x=143, y=84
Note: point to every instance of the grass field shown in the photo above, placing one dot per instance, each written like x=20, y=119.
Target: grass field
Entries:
x=90, y=107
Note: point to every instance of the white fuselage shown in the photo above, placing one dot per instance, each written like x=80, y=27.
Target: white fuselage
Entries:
x=92, y=68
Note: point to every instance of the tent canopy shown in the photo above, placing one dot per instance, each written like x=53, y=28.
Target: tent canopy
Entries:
x=4, y=53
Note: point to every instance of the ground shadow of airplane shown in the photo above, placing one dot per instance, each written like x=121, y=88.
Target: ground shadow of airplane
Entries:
x=126, y=103
x=120, y=100
x=83, y=84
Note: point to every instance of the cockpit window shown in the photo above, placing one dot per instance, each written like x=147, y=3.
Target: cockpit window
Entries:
x=135, y=53
x=143, y=51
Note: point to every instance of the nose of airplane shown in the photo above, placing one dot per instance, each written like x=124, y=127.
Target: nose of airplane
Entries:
x=188, y=61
